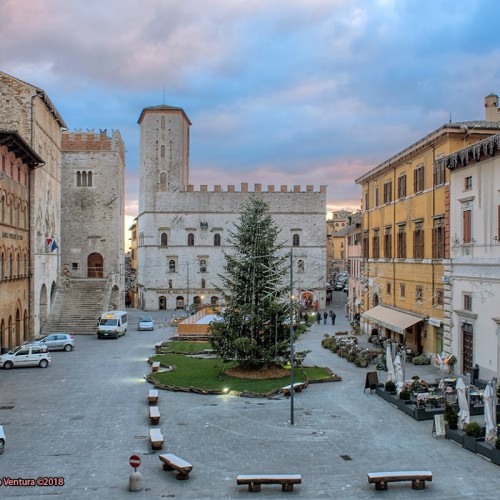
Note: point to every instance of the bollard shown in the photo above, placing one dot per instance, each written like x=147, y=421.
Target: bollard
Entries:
x=135, y=482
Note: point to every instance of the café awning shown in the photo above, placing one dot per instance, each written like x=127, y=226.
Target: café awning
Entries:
x=392, y=319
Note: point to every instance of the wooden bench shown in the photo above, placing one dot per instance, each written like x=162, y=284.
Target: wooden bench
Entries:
x=156, y=438
x=153, y=396
x=155, y=366
x=417, y=478
x=158, y=347
x=297, y=387
x=254, y=481
x=154, y=415
x=171, y=462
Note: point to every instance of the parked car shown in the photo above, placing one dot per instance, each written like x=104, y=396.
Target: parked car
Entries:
x=26, y=355
x=2, y=440
x=55, y=341
x=339, y=285
x=146, y=323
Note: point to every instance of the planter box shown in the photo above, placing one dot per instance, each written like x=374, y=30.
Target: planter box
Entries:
x=409, y=409
x=488, y=451
x=470, y=442
x=456, y=435
x=420, y=414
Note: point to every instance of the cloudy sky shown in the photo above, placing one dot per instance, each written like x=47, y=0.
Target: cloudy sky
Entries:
x=278, y=91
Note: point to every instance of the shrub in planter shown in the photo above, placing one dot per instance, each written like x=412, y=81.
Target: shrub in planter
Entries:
x=361, y=362
x=473, y=429
x=450, y=416
x=421, y=360
x=390, y=386
x=416, y=386
x=405, y=394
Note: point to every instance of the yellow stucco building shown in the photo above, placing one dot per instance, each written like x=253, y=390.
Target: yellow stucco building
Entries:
x=406, y=235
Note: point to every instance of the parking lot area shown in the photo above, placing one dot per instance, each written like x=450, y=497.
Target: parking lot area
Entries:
x=81, y=419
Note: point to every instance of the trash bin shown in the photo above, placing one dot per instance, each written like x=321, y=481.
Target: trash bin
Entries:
x=474, y=374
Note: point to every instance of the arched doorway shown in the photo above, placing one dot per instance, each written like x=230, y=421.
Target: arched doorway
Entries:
x=18, y=330
x=25, y=324
x=162, y=303
x=42, y=313
x=95, y=265
x=3, y=337
x=52, y=293
x=179, y=302
x=214, y=301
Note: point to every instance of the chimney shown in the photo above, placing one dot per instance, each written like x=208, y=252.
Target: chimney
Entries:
x=491, y=111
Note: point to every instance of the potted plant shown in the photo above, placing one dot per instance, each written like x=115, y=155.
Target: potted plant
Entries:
x=405, y=395
x=473, y=433
x=451, y=362
x=361, y=362
x=390, y=387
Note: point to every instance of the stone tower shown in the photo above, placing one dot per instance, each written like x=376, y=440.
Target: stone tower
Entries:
x=164, y=154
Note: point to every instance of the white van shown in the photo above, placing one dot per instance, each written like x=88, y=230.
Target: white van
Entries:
x=112, y=324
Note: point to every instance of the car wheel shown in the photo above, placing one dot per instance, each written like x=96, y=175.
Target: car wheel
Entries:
x=68, y=347
x=43, y=363
x=2, y=445
x=7, y=365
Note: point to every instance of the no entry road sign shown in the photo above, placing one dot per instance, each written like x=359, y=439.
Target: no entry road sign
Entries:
x=134, y=461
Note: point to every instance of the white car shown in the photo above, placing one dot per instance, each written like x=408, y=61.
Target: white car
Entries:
x=2, y=439
x=146, y=323
x=26, y=355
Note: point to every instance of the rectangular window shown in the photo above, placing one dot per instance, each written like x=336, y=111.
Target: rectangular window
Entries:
x=388, y=243
x=467, y=223
x=418, y=241
x=418, y=179
x=402, y=186
x=402, y=242
x=375, y=197
x=419, y=293
x=439, y=171
x=467, y=302
x=468, y=183
x=438, y=239
x=366, y=200
x=402, y=290
x=388, y=288
x=439, y=297
x=74, y=266
x=365, y=246
x=375, y=244
x=388, y=192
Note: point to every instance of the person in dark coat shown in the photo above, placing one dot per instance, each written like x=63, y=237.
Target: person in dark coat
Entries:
x=318, y=317
x=333, y=316
x=325, y=317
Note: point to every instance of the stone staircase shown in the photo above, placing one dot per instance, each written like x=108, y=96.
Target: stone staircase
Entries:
x=77, y=305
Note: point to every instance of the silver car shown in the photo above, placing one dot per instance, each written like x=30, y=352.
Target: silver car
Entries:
x=146, y=323
x=2, y=440
x=54, y=341
x=26, y=355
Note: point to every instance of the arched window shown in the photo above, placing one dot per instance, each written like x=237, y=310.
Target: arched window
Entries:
x=78, y=178
x=164, y=240
x=296, y=240
x=169, y=283
x=203, y=266
x=203, y=282
x=18, y=265
x=2, y=209
x=163, y=180
x=2, y=266
x=84, y=178
x=171, y=266
x=216, y=240
x=18, y=173
x=162, y=151
x=300, y=266
x=9, y=266
x=190, y=240
x=89, y=179
x=25, y=265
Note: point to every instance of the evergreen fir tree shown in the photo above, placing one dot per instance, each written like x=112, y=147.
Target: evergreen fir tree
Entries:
x=254, y=327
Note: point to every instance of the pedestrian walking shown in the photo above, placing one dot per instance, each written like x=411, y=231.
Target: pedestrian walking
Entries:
x=325, y=317
x=318, y=317
x=333, y=316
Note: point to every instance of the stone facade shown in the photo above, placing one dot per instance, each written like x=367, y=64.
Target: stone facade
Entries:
x=17, y=160
x=28, y=110
x=183, y=233
x=92, y=208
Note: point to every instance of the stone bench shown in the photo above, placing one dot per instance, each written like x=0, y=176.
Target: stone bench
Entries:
x=297, y=387
x=154, y=415
x=153, y=396
x=155, y=366
x=171, y=462
x=156, y=438
x=417, y=478
x=254, y=481
x=158, y=347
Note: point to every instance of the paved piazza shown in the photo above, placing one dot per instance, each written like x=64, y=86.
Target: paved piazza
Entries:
x=82, y=418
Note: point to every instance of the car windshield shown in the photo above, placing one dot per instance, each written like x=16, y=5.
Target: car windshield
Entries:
x=146, y=319
x=16, y=349
x=109, y=322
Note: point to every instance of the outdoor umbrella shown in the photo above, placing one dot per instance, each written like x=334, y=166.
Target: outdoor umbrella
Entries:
x=490, y=416
x=399, y=373
x=464, y=413
x=391, y=375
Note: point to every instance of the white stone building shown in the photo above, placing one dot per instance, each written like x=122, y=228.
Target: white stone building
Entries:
x=472, y=277
x=183, y=233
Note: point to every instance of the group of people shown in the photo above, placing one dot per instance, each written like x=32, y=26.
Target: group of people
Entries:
x=325, y=316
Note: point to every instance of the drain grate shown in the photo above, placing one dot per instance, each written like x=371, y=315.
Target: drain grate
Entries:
x=345, y=457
